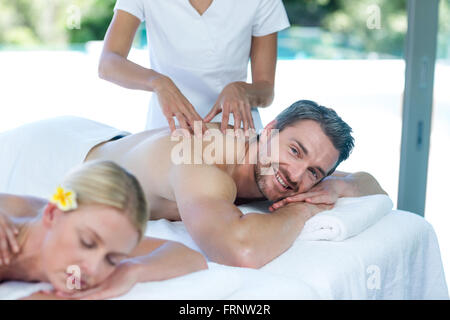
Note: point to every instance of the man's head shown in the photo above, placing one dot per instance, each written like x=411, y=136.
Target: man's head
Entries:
x=312, y=140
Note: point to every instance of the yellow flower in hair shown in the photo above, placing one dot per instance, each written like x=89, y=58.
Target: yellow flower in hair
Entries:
x=64, y=199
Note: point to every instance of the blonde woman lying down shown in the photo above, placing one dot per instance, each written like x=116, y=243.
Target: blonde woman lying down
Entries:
x=94, y=223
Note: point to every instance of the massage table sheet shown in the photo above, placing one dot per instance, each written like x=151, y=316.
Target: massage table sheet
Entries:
x=396, y=258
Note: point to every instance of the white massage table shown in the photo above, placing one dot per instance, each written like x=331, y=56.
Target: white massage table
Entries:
x=396, y=258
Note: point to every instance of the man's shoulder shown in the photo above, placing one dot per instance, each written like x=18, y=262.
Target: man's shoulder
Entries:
x=203, y=180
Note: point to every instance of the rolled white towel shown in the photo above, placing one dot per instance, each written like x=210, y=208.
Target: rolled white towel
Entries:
x=349, y=217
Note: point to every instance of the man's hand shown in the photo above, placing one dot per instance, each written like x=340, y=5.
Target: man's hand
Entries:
x=8, y=241
x=118, y=283
x=338, y=185
x=326, y=192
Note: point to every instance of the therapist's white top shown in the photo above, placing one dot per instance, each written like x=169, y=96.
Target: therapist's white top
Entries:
x=203, y=53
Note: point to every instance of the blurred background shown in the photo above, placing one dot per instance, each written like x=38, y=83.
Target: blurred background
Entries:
x=344, y=54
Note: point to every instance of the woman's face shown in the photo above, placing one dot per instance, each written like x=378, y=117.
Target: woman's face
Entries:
x=85, y=244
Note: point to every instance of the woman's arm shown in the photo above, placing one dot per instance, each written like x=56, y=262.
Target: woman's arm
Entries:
x=152, y=260
x=263, y=55
x=263, y=65
x=115, y=67
x=157, y=259
x=239, y=97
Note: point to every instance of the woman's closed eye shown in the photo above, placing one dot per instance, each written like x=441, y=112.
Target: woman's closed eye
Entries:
x=114, y=259
x=87, y=243
x=111, y=261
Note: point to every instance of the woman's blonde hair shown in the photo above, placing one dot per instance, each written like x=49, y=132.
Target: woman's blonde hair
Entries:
x=106, y=183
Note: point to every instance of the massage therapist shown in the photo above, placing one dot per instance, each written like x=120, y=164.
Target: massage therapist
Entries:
x=199, y=52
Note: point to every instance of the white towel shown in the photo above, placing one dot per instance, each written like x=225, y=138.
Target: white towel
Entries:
x=348, y=218
x=36, y=156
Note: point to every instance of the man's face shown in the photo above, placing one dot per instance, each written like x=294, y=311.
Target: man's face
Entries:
x=305, y=156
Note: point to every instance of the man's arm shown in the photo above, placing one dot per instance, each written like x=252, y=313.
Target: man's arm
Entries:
x=356, y=184
x=205, y=196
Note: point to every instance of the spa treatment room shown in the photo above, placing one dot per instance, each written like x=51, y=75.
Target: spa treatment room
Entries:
x=224, y=150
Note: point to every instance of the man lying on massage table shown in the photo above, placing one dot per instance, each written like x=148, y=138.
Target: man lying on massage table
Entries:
x=313, y=140
x=204, y=191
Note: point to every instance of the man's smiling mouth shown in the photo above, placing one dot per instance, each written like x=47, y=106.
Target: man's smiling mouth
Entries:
x=282, y=181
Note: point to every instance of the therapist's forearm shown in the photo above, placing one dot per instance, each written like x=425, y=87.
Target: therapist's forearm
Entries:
x=170, y=260
x=119, y=70
x=259, y=93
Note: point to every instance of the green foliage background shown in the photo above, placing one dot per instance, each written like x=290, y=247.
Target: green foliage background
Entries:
x=31, y=23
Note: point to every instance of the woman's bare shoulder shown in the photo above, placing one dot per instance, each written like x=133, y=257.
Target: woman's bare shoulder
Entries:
x=20, y=205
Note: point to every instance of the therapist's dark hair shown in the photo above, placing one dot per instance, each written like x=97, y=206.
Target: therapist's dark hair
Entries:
x=332, y=125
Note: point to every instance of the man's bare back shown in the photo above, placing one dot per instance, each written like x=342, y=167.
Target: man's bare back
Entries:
x=148, y=156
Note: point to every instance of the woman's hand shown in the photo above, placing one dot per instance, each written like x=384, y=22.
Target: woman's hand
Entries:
x=8, y=241
x=326, y=192
x=233, y=99
x=174, y=103
x=118, y=283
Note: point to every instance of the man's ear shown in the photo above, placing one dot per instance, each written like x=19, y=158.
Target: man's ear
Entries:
x=50, y=214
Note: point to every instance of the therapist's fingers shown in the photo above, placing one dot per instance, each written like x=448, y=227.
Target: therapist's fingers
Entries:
x=212, y=113
x=183, y=123
x=248, y=111
x=171, y=123
x=182, y=114
x=192, y=116
x=225, y=118
x=244, y=116
x=247, y=117
x=237, y=120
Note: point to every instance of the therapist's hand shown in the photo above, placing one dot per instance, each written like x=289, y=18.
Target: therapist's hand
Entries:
x=233, y=99
x=174, y=104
